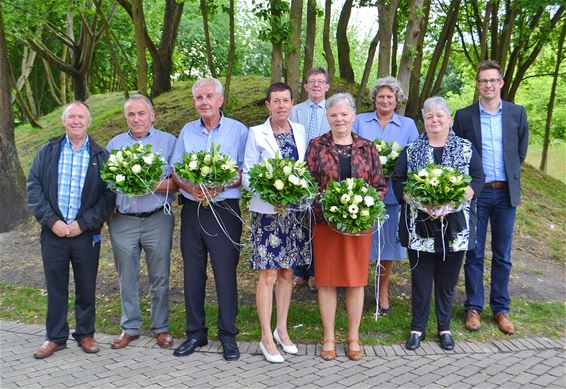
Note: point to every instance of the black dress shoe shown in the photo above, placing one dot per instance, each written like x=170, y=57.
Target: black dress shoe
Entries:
x=446, y=342
x=231, y=351
x=414, y=341
x=188, y=347
x=383, y=311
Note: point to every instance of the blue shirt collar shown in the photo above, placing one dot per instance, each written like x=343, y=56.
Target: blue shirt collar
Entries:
x=149, y=133
x=322, y=104
x=395, y=119
x=84, y=146
x=217, y=127
x=499, y=110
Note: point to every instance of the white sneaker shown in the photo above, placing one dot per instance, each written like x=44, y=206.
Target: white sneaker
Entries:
x=277, y=358
x=292, y=349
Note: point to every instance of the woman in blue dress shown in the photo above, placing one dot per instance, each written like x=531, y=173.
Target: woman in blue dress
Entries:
x=279, y=242
x=386, y=124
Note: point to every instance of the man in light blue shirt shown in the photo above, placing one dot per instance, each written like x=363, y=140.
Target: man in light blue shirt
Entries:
x=215, y=229
x=144, y=222
x=311, y=113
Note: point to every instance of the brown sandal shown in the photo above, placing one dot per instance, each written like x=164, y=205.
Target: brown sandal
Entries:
x=354, y=355
x=328, y=355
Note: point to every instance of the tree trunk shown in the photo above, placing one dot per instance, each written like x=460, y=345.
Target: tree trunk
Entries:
x=294, y=51
x=310, y=41
x=13, y=207
x=387, y=15
x=276, y=62
x=367, y=69
x=344, y=64
x=328, y=55
x=51, y=82
x=80, y=86
x=231, y=55
x=550, y=109
x=209, y=58
x=395, y=46
x=138, y=18
x=410, y=49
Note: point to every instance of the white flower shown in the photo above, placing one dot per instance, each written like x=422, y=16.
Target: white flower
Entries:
x=120, y=178
x=345, y=199
x=334, y=208
x=204, y=170
x=369, y=201
x=268, y=175
x=353, y=216
x=394, y=154
x=437, y=172
x=434, y=181
x=353, y=209
x=140, y=148
x=357, y=199
x=193, y=165
x=136, y=169
x=364, y=212
x=350, y=183
x=148, y=159
x=378, y=147
x=301, y=171
x=112, y=160
x=293, y=179
x=224, y=166
x=304, y=183
x=278, y=184
x=231, y=163
x=193, y=157
x=423, y=173
x=287, y=170
x=268, y=167
x=383, y=159
x=364, y=189
x=207, y=158
x=215, y=158
x=395, y=146
x=455, y=179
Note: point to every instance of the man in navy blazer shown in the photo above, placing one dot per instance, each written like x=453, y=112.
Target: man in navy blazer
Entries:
x=499, y=131
x=311, y=113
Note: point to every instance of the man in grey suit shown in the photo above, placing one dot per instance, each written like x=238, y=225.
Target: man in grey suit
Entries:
x=499, y=131
x=312, y=115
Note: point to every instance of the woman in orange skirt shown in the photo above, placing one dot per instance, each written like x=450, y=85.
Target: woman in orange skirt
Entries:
x=341, y=260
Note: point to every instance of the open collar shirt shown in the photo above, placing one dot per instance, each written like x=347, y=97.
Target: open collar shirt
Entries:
x=73, y=166
x=492, y=144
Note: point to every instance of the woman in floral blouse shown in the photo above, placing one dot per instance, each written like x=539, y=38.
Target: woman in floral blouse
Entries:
x=341, y=260
x=436, y=246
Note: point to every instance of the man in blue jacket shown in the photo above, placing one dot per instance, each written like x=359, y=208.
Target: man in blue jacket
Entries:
x=71, y=202
x=499, y=131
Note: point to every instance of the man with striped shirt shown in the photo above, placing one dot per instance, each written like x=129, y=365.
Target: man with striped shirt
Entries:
x=71, y=202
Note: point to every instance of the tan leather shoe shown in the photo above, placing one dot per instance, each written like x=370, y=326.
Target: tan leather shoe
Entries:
x=328, y=355
x=504, y=323
x=164, y=339
x=47, y=349
x=123, y=340
x=473, y=321
x=89, y=345
x=354, y=355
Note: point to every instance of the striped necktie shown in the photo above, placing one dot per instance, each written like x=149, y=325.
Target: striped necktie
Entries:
x=313, y=125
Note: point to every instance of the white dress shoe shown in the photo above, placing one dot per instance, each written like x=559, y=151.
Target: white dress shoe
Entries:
x=277, y=358
x=292, y=349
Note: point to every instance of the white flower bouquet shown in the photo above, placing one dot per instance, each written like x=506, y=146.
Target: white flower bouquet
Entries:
x=282, y=182
x=133, y=170
x=351, y=206
x=209, y=168
x=388, y=154
x=437, y=190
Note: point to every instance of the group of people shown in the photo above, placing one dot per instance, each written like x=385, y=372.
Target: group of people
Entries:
x=487, y=140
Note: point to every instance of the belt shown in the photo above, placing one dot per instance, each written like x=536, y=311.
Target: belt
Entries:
x=496, y=184
x=183, y=200
x=142, y=214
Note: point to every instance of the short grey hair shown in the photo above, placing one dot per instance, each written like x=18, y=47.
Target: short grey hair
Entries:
x=436, y=102
x=391, y=83
x=76, y=102
x=205, y=81
x=139, y=96
x=341, y=98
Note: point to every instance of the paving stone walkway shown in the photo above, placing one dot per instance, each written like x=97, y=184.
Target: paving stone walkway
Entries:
x=511, y=363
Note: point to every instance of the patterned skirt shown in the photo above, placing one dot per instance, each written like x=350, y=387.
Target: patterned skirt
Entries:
x=280, y=242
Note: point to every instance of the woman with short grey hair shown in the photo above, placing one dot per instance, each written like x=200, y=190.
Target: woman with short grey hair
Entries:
x=386, y=124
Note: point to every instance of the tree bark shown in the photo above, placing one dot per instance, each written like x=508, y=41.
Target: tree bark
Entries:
x=328, y=55
x=13, y=206
x=344, y=64
x=231, y=55
x=276, y=42
x=410, y=49
x=387, y=13
x=209, y=58
x=550, y=109
x=294, y=51
x=367, y=69
x=308, y=57
x=138, y=19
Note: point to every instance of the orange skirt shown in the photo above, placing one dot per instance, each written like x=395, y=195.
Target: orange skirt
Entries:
x=340, y=260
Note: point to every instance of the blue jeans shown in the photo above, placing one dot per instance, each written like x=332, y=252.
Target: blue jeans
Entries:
x=493, y=206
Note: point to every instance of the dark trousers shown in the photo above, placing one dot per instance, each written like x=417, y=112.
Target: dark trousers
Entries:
x=83, y=253
x=443, y=271
x=202, y=235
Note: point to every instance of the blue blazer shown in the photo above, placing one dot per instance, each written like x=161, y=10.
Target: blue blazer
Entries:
x=515, y=140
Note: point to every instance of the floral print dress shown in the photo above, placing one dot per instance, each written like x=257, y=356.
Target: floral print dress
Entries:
x=281, y=241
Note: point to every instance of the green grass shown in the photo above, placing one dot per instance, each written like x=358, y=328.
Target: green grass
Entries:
x=28, y=305
x=556, y=163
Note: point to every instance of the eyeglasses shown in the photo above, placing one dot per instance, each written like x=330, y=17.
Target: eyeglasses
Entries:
x=493, y=81
x=316, y=82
